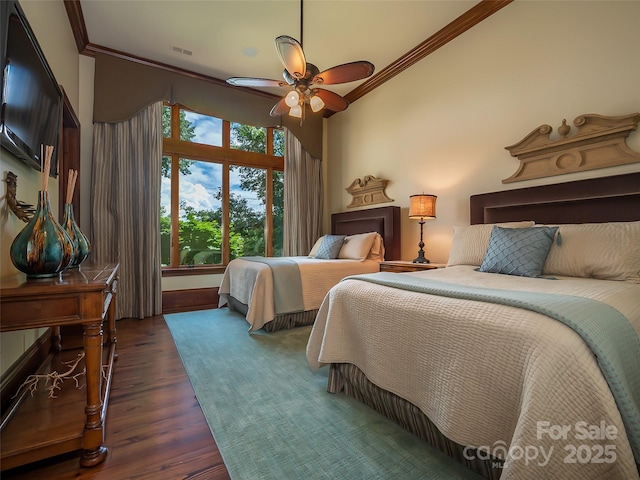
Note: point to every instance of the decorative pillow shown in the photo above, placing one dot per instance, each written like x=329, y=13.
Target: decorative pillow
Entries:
x=377, y=249
x=470, y=243
x=316, y=246
x=330, y=246
x=518, y=251
x=357, y=247
x=606, y=251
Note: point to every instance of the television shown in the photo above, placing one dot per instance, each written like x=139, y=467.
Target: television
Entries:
x=31, y=108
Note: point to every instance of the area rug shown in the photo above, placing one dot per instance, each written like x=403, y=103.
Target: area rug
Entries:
x=272, y=417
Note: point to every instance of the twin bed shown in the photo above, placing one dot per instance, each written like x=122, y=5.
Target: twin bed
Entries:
x=474, y=363
x=248, y=283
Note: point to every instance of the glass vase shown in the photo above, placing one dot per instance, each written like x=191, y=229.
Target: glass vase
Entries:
x=81, y=246
x=42, y=248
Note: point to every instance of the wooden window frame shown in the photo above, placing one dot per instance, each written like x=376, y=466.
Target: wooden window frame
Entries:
x=175, y=149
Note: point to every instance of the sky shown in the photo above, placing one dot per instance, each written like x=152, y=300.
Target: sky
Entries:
x=198, y=188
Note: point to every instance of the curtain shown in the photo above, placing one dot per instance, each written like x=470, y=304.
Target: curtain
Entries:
x=125, y=184
x=123, y=88
x=302, y=198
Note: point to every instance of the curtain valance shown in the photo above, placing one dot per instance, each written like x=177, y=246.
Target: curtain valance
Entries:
x=122, y=88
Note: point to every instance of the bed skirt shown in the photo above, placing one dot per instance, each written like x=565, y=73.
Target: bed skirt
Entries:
x=284, y=321
x=353, y=382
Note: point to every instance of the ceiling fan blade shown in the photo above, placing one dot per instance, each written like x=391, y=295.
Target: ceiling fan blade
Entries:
x=347, y=72
x=255, y=82
x=291, y=55
x=331, y=100
x=279, y=108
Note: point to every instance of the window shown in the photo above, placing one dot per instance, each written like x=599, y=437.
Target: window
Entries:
x=222, y=193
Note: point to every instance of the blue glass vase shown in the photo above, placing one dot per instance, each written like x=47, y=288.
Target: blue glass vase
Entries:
x=81, y=246
x=42, y=248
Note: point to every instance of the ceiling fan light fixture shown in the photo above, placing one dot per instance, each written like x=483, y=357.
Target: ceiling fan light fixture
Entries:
x=296, y=111
x=316, y=103
x=292, y=99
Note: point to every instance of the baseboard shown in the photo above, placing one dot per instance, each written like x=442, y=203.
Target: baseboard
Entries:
x=174, y=301
x=27, y=364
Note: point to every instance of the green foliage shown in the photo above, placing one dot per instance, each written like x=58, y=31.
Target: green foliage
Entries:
x=187, y=132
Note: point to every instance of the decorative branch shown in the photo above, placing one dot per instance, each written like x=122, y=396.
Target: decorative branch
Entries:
x=54, y=378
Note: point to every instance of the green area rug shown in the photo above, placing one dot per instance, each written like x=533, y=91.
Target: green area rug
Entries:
x=272, y=417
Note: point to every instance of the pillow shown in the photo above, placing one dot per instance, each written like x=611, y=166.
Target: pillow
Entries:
x=470, y=243
x=377, y=249
x=606, y=251
x=316, y=246
x=330, y=246
x=357, y=247
x=518, y=251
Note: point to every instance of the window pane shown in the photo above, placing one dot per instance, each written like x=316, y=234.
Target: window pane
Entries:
x=247, y=211
x=248, y=138
x=165, y=212
x=278, y=142
x=198, y=128
x=200, y=213
x=166, y=121
x=278, y=214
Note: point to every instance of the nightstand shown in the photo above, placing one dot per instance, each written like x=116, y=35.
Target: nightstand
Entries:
x=400, y=266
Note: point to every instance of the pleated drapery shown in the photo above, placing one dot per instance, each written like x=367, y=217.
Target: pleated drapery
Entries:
x=302, y=198
x=125, y=184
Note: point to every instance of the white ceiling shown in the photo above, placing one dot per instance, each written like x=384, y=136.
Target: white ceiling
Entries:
x=236, y=37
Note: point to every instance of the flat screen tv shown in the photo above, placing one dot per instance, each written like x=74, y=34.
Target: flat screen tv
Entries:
x=31, y=112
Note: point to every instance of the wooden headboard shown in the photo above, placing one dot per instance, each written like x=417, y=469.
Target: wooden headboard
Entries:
x=595, y=200
x=384, y=220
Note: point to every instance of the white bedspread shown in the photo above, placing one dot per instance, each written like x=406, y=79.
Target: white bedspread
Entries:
x=252, y=284
x=513, y=382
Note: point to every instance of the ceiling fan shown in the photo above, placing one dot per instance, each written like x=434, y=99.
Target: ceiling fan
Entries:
x=304, y=78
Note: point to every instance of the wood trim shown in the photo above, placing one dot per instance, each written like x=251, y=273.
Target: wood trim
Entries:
x=76, y=20
x=464, y=22
x=26, y=365
x=70, y=158
x=174, y=301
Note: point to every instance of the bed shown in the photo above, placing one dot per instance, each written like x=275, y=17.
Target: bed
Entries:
x=268, y=302
x=498, y=384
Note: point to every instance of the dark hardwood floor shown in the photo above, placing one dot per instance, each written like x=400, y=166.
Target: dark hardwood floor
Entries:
x=155, y=428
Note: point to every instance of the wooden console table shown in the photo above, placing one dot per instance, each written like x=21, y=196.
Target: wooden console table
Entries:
x=35, y=426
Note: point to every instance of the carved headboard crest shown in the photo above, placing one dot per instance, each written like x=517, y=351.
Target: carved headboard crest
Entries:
x=368, y=191
x=599, y=142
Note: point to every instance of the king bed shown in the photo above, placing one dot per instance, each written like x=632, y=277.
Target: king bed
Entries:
x=518, y=371
x=279, y=293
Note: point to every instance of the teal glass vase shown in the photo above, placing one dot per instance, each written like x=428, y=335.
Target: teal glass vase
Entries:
x=42, y=248
x=81, y=246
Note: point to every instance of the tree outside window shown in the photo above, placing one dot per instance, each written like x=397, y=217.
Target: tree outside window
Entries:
x=219, y=197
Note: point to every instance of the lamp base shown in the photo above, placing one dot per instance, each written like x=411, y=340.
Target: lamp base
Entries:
x=420, y=258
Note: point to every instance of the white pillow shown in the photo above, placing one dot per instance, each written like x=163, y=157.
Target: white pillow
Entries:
x=357, y=247
x=377, y=249
x=607, y=251
x=470, y=243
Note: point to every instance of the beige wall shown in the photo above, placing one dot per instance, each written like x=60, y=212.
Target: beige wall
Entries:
x=51, y=26
x=441, y=126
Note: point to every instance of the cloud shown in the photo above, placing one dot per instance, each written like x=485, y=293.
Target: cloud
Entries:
x=208, y=130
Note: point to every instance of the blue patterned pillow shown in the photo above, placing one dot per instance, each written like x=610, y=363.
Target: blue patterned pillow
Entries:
x=518, y=251
x=330, y=246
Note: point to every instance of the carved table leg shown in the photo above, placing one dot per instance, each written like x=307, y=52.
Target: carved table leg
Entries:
x=94, y=452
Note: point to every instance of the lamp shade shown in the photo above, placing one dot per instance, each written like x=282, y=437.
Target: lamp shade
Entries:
x=422, y=206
